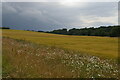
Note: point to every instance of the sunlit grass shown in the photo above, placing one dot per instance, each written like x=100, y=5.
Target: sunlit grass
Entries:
x=99, y=46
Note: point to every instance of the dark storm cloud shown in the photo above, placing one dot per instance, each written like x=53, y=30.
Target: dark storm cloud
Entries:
x=0, y=14
x=119, y=12
x=54, y=15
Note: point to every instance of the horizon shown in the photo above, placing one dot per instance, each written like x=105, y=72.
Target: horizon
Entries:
x=59, y=28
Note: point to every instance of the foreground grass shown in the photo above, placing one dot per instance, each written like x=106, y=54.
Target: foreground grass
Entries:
x=23, y=59
x=99, y=46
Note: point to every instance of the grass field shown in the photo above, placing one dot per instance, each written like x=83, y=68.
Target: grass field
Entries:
x=23, y=59
x=29, y=54
x=100, y=46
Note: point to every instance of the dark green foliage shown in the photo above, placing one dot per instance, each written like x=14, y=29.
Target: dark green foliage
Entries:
x=115, y=32
x=4, y=28
x=60, y=31
x=40, y=31
x=112, y=31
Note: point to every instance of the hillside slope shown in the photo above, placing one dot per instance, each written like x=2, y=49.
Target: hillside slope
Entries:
x=100, y=46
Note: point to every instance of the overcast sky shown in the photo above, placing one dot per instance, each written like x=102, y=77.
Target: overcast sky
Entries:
x=54, y=15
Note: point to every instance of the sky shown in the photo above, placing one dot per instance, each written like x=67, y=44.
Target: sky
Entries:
x=47, y=16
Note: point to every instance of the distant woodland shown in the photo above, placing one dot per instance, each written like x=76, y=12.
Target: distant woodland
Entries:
x=111, y=31
x=4, y=28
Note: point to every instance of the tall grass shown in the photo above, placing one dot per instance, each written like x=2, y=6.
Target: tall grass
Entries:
x=23, y=59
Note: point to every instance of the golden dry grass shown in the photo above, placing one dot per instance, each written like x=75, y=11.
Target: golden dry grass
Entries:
x=23, y=59
x=99, y=46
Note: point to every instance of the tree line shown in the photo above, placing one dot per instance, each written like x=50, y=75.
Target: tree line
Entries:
x=111, y=31
x=4, y=28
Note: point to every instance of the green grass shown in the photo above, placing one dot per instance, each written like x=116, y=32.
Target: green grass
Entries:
x=22, y=59
x=106, y=47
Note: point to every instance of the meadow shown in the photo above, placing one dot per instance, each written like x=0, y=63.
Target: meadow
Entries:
x=28, y=54
x=99, y=46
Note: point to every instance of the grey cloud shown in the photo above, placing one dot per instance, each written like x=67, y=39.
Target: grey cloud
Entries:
x=53, y=15
x=119, y=12
x=0, y=14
